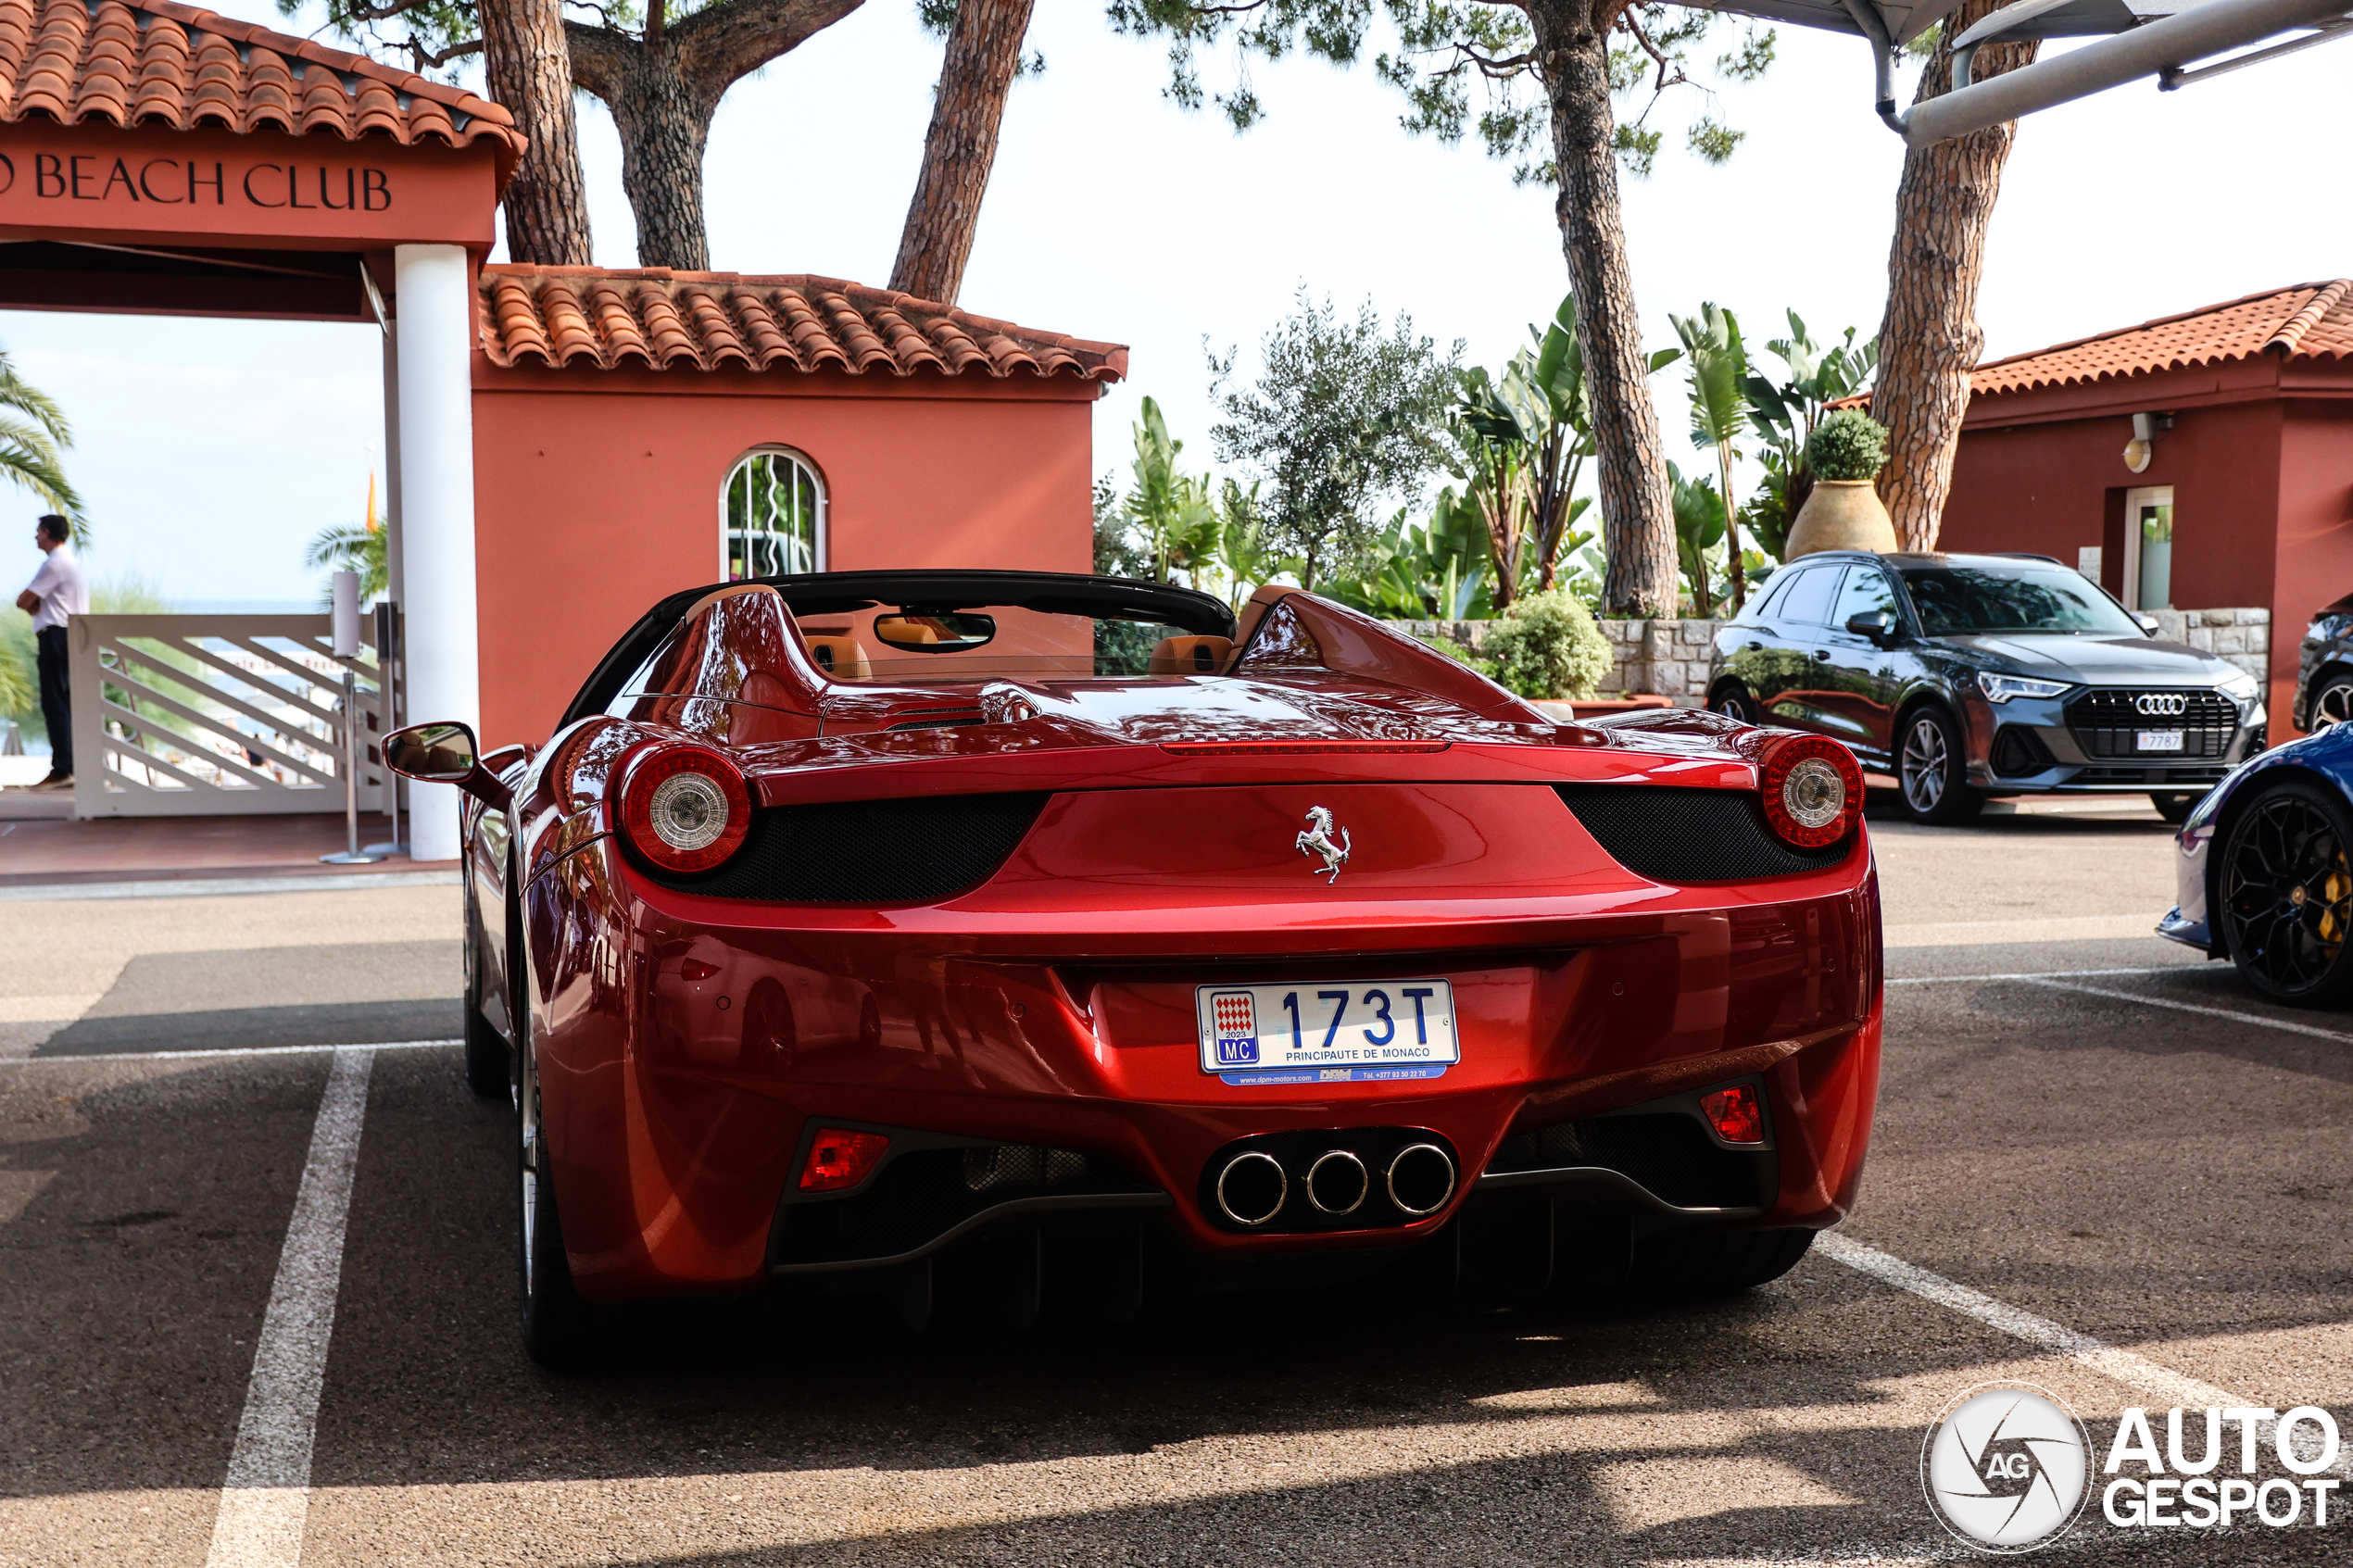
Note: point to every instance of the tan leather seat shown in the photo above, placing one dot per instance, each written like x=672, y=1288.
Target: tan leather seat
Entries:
x=1191, y=656
x=840, y=657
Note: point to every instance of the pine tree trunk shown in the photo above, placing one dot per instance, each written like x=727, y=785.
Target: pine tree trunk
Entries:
x=1638, y=516
x=1929, y=339
x=984, y=52
x=664, y=123
x=528, y=64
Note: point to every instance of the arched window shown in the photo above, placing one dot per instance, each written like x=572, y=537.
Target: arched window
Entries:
x=772, y=515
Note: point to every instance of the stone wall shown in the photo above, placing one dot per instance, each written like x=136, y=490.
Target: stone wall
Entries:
x=1669, y=657
x=2243, y=636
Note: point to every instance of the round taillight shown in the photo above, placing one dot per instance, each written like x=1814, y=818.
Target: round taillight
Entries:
x=1812, y=790
x=685, y=807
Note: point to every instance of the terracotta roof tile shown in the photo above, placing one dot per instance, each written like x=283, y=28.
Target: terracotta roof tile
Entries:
x=559, y=316
x=2307, y=321
x=131, y=62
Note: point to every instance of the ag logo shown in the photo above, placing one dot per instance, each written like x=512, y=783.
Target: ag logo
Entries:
x=2007, y=1467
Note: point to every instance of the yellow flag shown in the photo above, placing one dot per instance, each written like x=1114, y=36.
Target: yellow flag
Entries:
x=371, y=519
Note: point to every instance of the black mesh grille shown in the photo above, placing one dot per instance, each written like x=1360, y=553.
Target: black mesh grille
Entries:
x=1675, y=834
x=1669, y=1153
x=909, y=851
x=2108, y=721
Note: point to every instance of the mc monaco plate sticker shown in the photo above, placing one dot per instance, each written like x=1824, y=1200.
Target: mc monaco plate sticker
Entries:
x=1363, y=1031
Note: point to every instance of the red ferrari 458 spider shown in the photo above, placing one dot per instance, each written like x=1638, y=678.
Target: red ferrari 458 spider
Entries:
x=1011, y=934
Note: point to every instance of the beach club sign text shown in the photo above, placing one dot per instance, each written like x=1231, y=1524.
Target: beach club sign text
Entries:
x=171, y=181
x=93, y=180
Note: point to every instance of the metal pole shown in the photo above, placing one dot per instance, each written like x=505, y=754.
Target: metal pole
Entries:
x=345, y=647
x=352, y=854
x=388, y=691
x=2171, y=43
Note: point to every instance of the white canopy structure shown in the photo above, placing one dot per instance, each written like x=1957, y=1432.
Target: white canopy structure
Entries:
x=2175, y=42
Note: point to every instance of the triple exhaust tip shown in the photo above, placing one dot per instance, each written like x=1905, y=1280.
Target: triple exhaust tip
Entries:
x=1253, y=1187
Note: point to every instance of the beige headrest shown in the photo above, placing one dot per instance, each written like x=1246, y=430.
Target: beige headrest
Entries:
x=840, y=657
x=1191, y=655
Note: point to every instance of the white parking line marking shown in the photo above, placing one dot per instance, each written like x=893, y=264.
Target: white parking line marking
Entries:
x=2122, y=1366
x=227, y=1051
x=2046, y=974
x=55, y=891
x=267, y=1497
x=2259, y=1022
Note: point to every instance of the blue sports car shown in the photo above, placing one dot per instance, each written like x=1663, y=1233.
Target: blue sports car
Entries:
x=2266, y=873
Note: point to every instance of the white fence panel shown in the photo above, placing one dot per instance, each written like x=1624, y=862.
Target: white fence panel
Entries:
x=218, y=715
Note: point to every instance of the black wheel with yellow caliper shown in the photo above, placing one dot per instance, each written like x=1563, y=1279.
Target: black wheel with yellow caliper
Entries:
x=2283, y=894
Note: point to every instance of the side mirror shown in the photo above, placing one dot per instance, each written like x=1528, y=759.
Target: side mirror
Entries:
x=1878, y=625
x=2146, y=622
x=444, y=754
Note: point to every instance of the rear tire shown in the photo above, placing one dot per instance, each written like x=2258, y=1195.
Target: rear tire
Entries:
x=1733, y=702
x=1693, y=1264
x=2175, y=808
x=560, y=1329
x=1932, y=769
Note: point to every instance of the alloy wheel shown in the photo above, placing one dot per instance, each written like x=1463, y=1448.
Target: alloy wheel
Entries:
x=1924, y=763
x=2333, y=704
x=2287, y=890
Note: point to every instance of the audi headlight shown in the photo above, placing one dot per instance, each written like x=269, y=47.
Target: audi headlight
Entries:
x=2241, y=685
x=2001, y=688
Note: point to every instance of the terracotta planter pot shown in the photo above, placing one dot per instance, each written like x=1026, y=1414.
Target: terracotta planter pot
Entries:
x=1842, y=514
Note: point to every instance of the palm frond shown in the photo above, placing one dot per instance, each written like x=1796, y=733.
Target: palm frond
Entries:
x=32, y=447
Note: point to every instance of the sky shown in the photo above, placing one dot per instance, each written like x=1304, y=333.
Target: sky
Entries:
x=210, y=451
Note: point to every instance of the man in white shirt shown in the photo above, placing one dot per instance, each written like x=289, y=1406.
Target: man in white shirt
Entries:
x=56, y=593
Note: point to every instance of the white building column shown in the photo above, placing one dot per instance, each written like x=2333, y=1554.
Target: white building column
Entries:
x=434, y=350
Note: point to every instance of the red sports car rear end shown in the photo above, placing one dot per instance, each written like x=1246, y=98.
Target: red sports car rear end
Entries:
x=1033, y=962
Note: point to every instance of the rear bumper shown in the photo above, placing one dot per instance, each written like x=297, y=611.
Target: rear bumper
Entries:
x=689, y=1048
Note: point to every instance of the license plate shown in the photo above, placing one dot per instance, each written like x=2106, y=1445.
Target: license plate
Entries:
x=1311, y=1033
x=2159, y=740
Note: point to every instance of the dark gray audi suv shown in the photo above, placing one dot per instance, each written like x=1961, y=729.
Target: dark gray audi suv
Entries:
x=1973, y=676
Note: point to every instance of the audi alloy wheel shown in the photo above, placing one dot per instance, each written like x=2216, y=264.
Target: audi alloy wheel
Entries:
x=2283, y=888
x=2333, y=703
x=1933, y=770
x=1733, y=702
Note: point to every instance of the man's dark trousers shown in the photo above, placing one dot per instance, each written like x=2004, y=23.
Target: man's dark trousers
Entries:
x=55, y=712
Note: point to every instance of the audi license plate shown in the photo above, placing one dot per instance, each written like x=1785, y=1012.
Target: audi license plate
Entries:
x=1311, y=1033
x=2159, y=740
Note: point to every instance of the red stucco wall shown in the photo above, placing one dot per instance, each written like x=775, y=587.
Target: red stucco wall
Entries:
x=598, y=492
x=2053, y=488
x=2260, y=460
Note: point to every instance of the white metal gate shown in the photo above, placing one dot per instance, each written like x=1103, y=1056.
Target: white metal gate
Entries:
x=217, y=715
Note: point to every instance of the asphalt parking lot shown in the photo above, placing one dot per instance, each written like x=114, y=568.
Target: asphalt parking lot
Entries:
x=2100, y=1166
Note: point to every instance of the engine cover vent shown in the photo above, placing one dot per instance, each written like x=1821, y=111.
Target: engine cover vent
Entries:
x=1671, y=834
x=916, y=850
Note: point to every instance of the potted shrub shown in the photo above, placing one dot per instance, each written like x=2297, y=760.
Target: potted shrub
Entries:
x=1846, y=451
